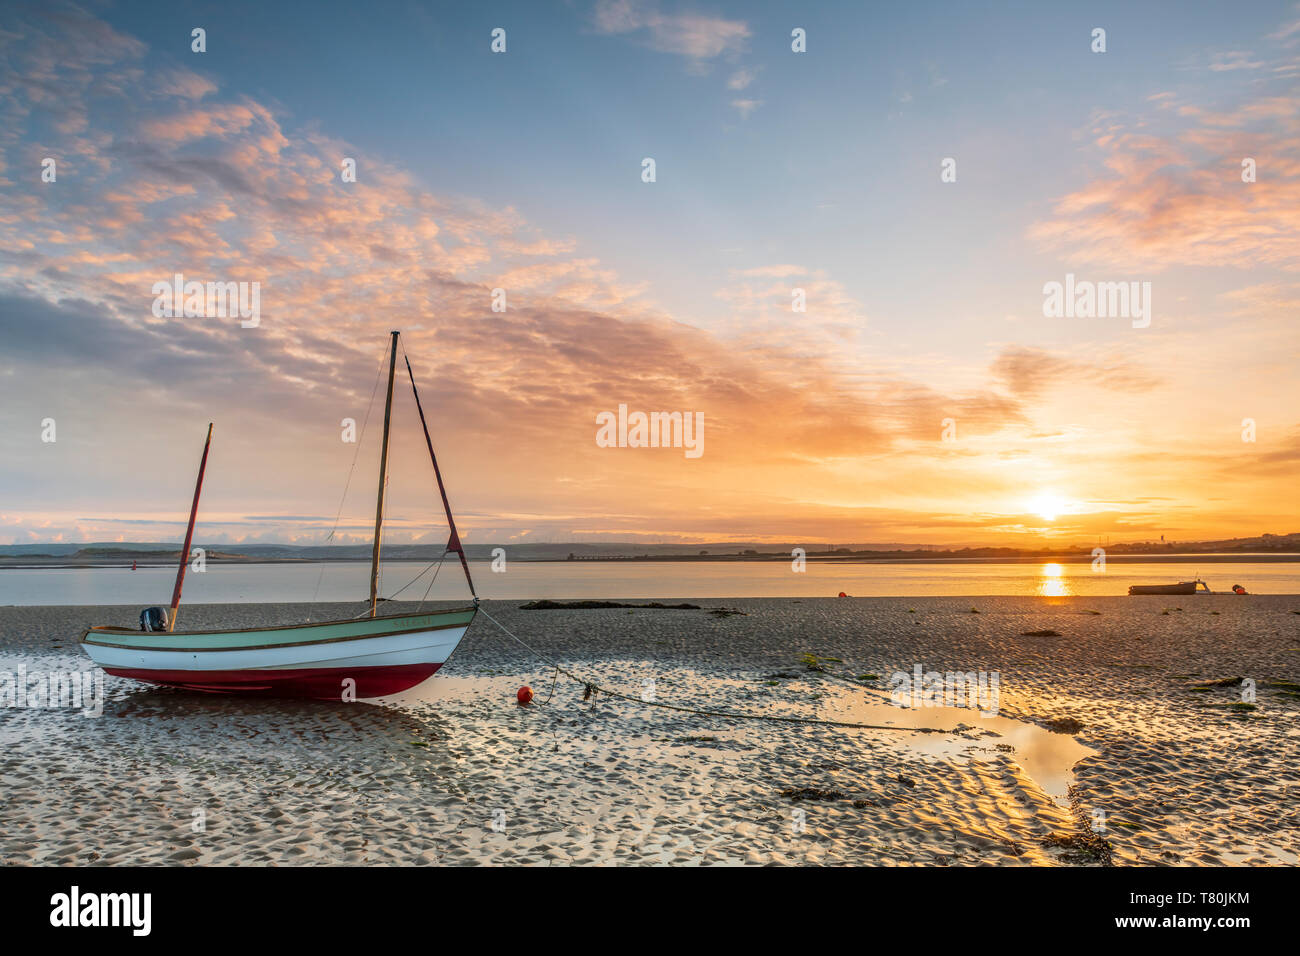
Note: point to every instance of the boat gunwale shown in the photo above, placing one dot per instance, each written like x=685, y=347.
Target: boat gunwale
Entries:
x=114, y=629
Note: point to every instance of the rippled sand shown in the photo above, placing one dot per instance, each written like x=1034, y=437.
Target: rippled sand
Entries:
x=455, y=772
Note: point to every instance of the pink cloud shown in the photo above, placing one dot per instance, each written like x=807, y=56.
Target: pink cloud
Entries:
x=696, y=36
x=1180, y=199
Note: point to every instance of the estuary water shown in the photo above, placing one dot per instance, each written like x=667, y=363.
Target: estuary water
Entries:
x=349, y=580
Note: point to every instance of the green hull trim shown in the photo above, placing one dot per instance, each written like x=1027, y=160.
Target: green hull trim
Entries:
x=248, y=639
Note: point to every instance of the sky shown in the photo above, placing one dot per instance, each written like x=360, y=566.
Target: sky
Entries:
x=922, y=395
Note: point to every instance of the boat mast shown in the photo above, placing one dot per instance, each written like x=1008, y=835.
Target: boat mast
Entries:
x=189, y=534
x=453, y=542
x=383, y=480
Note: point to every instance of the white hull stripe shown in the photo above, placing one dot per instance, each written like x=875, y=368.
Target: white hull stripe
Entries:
x=419, y=647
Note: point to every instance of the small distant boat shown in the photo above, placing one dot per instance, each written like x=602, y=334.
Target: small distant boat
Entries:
x=368, y=656
x=1182, y=587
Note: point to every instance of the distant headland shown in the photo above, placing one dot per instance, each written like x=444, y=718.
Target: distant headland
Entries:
x=1264, y=547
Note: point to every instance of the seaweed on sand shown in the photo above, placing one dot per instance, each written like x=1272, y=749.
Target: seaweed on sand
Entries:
x=1081, y=848
x=1063, y=725
x=813, y=793
x=596, y=605
x=1236, y=706
x=816, y=663
x=1224, y=682
x=1086, y=845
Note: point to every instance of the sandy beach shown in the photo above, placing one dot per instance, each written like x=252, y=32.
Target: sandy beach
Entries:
x=1121, y=737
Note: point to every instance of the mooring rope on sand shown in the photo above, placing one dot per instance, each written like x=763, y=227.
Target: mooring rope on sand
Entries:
x=591, y=687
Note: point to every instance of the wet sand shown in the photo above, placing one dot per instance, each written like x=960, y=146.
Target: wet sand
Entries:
x=1162, y=767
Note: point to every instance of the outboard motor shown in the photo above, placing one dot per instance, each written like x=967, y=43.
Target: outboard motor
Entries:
x=153, y=619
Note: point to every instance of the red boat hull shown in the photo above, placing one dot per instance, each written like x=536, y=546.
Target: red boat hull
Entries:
x=316, y=683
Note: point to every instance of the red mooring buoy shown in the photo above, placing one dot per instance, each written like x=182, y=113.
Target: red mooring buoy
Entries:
x=525, y=695
x=842, y=594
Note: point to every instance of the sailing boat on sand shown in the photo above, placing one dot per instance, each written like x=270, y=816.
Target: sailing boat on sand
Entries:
x=369, y=656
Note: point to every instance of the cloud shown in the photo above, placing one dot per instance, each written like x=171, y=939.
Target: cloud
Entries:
x=1280, y=458
x=695, y=36
x=1029, y=372
x=1288, y=33
x=1265, y=299
x=185, y=84
x=1234, y=60
x=198, y=123
x=776, y=271
x=1179, y=198
x=741, y=79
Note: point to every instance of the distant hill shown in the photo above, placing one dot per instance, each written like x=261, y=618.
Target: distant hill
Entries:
x=166, y=551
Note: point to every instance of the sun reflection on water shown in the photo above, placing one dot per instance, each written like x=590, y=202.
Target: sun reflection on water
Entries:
x=1052, y=582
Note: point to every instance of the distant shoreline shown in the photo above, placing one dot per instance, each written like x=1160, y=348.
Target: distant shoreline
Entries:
x=891, y=558
x=21, y=563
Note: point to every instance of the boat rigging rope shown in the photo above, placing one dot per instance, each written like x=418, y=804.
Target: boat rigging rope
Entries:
x=431, y=564
x=590, y=687
x=442, y=558
x=438, y=563
x=329, y=539
x=420, y=606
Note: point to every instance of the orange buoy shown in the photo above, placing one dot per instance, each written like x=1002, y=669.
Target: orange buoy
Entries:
x=525, y=695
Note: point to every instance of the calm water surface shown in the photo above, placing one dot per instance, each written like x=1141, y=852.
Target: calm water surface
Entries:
x=347, y=580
